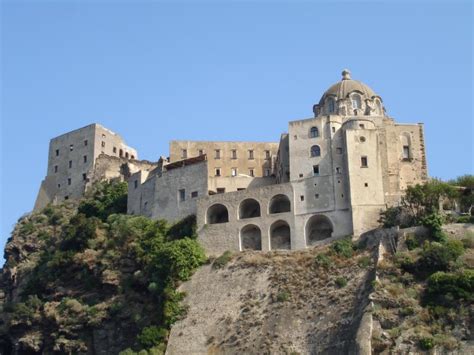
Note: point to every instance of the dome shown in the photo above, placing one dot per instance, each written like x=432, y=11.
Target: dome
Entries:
x=349, y=98
x=343, y=88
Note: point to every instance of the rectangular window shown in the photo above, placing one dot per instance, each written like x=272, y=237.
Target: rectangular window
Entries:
x=71, y=147
x=66, y=197
x=59, y=186
x=85, y=158
x=218, y=171
x=220, y=190
x=70, y=164
x=267, y=154
x=217, y=153
x=233, y=171
x=333, y=129
x=252, y=172
x=200, y=152
x=362, y=126
x=250, y=154
x=315, y=169
x=302, y=198
x=55, y=168
x=114, y=149
x=363, y=162
x=85, y=142
x=57, y=152
x=240, y=189
x=194, y=194
x=338, y=150
x=69, y=181
x=84, y=177
x=366, y=184
x=184, y=153
x=316, y=196
x=338, y=170
x=103, y=144
x=182, y=194
x=406, y=152
x=135, y=184
x=234, y=153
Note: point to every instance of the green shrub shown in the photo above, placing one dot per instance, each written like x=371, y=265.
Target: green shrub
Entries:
x=341, y=282
x=364, y=261
x=427, y=343
x=440, y=257
x=173, y=310
x=27, y=228
x=412, y=242
x=77, y=233
x=152, y=336
x=222, y=260
x=468, y=241
x=434, y=223
x=465, y=219
x=184, y=228
x=444, y=288
x=106, y=198
x=343, y=247
x=323, y=260
x=25, y=311
x=283, y=296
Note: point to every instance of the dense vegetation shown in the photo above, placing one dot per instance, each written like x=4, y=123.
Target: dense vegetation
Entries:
x=110, y=266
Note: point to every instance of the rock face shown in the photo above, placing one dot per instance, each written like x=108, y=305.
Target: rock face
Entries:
x=274, y=303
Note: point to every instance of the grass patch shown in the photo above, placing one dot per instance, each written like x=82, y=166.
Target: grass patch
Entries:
x=341, y=282
x=222, y=260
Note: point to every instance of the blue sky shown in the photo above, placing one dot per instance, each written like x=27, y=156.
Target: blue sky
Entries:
x=157, y=71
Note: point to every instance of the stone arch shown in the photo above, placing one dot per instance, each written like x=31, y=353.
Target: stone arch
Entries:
x=250, y=238
x=279, y=204
x=217, y=213
x=318, y=227
x=249, y=208
x=280, y=236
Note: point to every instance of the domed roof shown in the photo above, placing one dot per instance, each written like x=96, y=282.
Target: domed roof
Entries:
x=344, y=87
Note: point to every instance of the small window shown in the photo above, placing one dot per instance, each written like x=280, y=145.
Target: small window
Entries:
x=300, y=175
x=338, y=181
x=71, y=147
x=66, y=197
x=267, y=154
x=302, y=197
x=85, y=142
x=331, y=106
x=356, y=101
x=114, y=149
x=84, y=177
x=362, y=139
x=342, y=195
x=145, y=204
x=182, y=195
x=221, y=190
x=135, y=184
x=103, y=135
x=362, y=126
x=132, y=156
x=252, y=172
x=55, y=168
x=295, y=137
x=120, y=153
x=338, y=150
x=70, y=164
x=59, y=186
x=314, y=132
x=240, y=189
x=315, y=151
x=315, y=169
x=85, y=158
x=234, y=154
x=184, y=153
x=366, y=184
x=333, y=129
x=103, y=144
x=218, y=171
x=194, y=194
x=267, y=172
x=200, y=152
x=126, y=155
x=233, y=172
x=57, y=152
x=338, y=170
x=69, y=181
x=406, y=152
x=250, y=154
x=316, y=196
x=217, y=153
x=363, y=162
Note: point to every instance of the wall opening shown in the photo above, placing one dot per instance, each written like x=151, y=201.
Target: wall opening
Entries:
x=249, y=208
x=251, y=238
x=280, y=236
x=318, y=228
x=280, y=204
x=217, y=214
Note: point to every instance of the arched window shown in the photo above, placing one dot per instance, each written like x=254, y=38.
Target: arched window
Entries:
x=356, y=101
x=251, y=238
x=318, y=228
x=217, y=214
x=315, y=151
x=379, y=107
x=280, y=236
x=249, y=208
x=314, y=132
x=280, y=204
x=331, y=105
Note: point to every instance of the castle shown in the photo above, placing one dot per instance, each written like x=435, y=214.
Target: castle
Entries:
x=331, y=175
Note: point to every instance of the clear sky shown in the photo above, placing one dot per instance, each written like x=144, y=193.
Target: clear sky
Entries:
x=156, y=71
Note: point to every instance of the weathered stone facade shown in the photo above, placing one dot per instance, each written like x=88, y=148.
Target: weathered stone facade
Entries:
x=331, y=175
